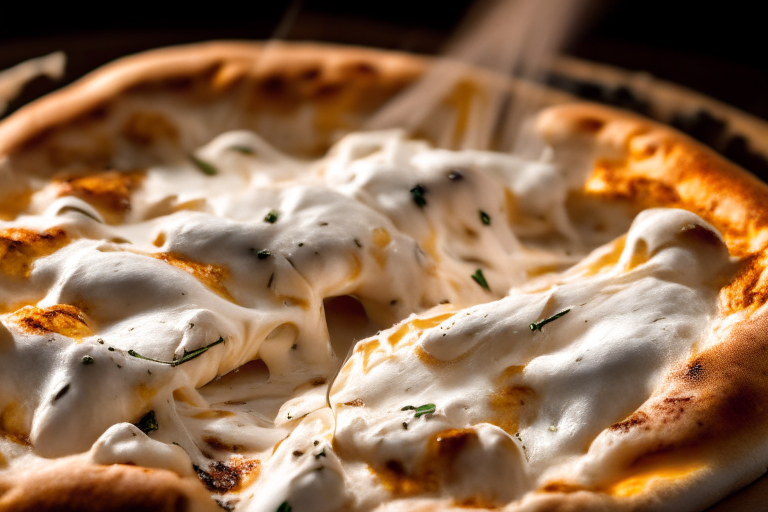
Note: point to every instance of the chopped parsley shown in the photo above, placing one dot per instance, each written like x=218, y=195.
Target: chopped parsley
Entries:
x=206, y=168
x=284, y=507
x=485, y=218
x=271, y=217
x=263, y=254
x=536, y=326
x=188, y=356
x=321, y=454
x=405, y=425
x=418, y=196
x=420, y=410
x=480, y=279
x=148, y=423
x=87, y=360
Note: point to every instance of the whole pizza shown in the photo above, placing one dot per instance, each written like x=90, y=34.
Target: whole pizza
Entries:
x=219, y=290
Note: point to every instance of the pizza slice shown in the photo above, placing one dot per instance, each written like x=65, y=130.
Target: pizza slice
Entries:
x=184, y=266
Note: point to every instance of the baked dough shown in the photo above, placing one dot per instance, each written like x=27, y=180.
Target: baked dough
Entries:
x=581, y=332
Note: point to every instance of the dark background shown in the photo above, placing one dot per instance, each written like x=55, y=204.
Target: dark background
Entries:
x=718, y=48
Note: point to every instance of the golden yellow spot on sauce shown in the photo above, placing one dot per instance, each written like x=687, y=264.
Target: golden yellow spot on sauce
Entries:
x=543, y=269
x=398, y=335
x=62, y=319
x=639, y=256
x=159, y=240
x=637, y=484
x=109, y=192
x=513, y=403
x=381, y=238
x=367, y=348
x=430, y=246
x=14, y=424
x=426, y=323
x=11, y=205
x=210, y=275
x=609, y=259
x=182, y=395
x=145, y=392
x=357, y=267
x=212, y=414
x=3, y=462
x=20, y=247
x=192, y=205
x=395, y=480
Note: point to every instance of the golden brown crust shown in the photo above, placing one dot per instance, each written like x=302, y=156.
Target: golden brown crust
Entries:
x=641, y=161
x=254, y=76
x=76, y=486
x=632, y=159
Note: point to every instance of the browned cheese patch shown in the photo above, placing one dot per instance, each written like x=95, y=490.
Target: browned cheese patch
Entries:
x=231, y=476
x=109, y=192
x=210, y=275
x=15, y=424
x=63, y=319
x=438, y=469
x=20, y=247
x=513, y=403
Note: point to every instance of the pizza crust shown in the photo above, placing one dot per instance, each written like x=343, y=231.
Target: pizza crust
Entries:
x=76, y=485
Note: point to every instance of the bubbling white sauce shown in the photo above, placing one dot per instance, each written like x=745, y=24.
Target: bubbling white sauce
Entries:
x=438, y=248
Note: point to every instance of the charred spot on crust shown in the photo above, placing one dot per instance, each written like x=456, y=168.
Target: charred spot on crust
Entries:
x=694, y=372
x=746, y=290
x=221, y=477
x=636, y=420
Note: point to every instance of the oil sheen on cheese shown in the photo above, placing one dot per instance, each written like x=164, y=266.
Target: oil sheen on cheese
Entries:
x=491, y=340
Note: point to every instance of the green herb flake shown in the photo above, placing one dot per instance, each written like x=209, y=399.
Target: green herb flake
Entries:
x=148, y=423
x=284, y=507
x=425, y=409
x=420, y=410
x=418, y=196
x=316, y=443
x=480, y=279
x=263, y=254
x=271, y=217
x=485, y=218
x=188, y=356
x=243, y=150
x=405, y=426
x=321, y=454
x=206, y=168
x=536, y=326
x=87, y=360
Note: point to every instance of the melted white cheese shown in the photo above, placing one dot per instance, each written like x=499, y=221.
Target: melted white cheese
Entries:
x=350, y=224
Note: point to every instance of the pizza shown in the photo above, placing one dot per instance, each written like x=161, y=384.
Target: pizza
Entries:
x=218, y=292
